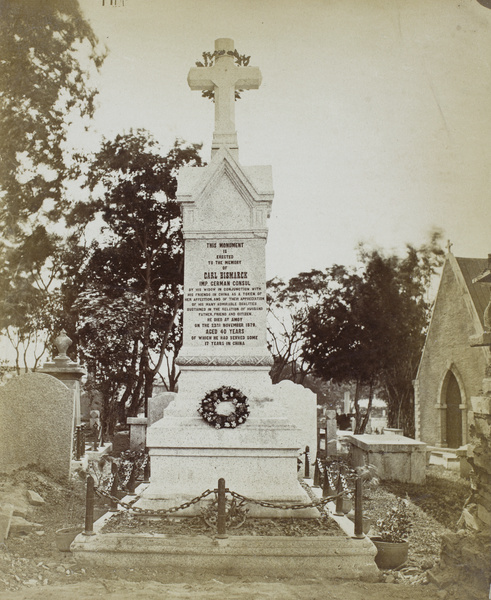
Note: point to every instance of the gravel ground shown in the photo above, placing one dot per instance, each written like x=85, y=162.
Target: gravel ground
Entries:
x=33, y=561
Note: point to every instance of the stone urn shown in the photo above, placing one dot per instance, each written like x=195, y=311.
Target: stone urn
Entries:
x=64, y=537
x=390, y=555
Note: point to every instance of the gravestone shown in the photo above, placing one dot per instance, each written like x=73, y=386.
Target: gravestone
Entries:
x=331, y=433
x=138, y=425
x=36, y=424
x=157, y=404
x=225, y=207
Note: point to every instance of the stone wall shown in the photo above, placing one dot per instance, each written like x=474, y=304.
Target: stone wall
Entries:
x=479, y=456
x=447, y=346
x=465, y=555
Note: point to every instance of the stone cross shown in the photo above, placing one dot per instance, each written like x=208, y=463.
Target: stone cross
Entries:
x=224, y=77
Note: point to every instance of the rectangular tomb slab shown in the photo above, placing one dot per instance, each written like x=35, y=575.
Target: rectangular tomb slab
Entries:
x=395, y=457
x=243, y=556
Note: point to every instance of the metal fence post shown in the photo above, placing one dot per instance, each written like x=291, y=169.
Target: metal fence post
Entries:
x=359, y=508
x=77, y=443
x=89, y=507
x=221, y=519
x=95, y=444
x=307, y=462
x=326, y=488
x=80, y=441
x=339, y=499
x=114, y=487
x=131, y=485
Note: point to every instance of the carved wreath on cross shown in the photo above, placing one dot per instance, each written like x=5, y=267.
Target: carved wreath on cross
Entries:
x=241, y=60
x=209, y=404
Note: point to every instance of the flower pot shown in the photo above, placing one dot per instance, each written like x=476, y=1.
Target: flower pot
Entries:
x=64, y=537
x=390, y=555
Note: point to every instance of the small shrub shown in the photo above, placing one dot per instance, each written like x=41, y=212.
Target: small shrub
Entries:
x=396, y=525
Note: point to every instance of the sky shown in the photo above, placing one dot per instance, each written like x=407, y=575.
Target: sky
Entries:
x=374, y=114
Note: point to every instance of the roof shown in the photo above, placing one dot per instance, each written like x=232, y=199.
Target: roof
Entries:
x=479, y=293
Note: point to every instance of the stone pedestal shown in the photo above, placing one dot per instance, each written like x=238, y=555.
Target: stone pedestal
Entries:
x=258, y=459
x=67, y=371
x=138, y=432
x=138, y=425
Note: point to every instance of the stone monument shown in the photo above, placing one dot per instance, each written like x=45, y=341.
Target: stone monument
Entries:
x=67, y=371
x=251, y=444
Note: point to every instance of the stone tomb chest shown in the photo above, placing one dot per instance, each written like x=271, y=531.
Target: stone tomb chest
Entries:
x=396, y=457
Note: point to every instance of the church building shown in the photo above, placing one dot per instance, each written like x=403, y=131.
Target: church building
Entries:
x=451, y=371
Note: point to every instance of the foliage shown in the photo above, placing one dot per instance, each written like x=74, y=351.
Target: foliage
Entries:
x=48, y=51
x=235, y=514
x=370, y=328
x=129, y=288
x=396, y=525
x=127, y=462
x=288, y=309
x=209, y=404
x=241, y=60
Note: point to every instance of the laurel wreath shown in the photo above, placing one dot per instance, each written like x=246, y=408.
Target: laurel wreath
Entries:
x=209, y=404
x=241, y=60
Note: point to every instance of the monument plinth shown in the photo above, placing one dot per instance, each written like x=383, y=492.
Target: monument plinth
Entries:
x=225, y=207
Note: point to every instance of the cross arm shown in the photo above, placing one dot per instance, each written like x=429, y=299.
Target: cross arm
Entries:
x=248, y=78
x=199, y=78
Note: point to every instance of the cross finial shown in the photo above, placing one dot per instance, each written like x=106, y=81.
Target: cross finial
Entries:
x=224, y=77
x=449, y=246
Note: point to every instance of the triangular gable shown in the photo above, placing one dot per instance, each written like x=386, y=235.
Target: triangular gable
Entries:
x=224, y=195
x=479, y=293
x=464, y=270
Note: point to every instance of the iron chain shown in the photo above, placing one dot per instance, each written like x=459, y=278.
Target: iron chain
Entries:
x=173, y=509
x=322, y=502
x=159, y=511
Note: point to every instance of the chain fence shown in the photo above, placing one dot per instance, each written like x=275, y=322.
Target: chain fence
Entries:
x=243, y=499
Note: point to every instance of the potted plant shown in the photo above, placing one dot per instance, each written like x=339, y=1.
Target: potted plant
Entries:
x=65, y=536
x=393, y=530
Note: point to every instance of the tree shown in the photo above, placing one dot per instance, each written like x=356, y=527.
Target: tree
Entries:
x=130, y=287
x=371, y=327
x=30, y=298
x=288, y=309
x=48, y=51
x=339, y=337
x=405, y=320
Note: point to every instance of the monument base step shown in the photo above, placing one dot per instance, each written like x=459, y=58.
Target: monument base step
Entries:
x=445, y=458
x=340, y=557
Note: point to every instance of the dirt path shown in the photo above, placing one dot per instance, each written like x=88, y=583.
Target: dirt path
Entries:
x=228, y=589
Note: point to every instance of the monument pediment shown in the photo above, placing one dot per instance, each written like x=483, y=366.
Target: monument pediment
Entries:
x=225, y=195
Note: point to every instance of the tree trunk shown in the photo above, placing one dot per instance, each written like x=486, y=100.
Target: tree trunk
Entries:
x=364, y=422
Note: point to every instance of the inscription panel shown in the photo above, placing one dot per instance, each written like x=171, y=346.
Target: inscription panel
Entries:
x=225, y=295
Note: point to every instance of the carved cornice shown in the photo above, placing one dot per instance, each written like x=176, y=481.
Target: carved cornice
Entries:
x=225, y=361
